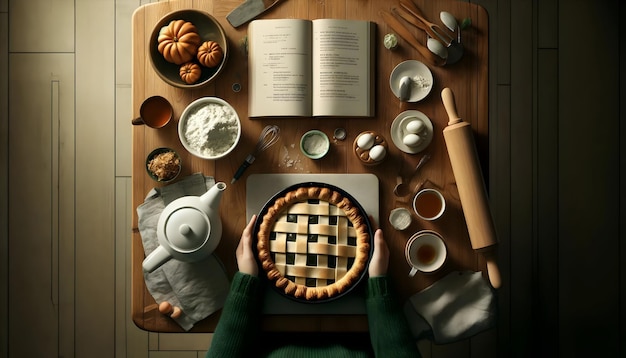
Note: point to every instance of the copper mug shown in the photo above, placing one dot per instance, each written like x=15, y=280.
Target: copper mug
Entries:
x=155, y=112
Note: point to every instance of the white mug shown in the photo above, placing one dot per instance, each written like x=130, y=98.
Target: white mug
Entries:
x=425, y=252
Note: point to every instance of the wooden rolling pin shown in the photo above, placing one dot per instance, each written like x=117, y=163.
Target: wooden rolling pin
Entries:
x=471, y=185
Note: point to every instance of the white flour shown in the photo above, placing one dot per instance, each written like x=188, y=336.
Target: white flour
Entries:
x=211, y=130
x=315, y=144
x=419, y=82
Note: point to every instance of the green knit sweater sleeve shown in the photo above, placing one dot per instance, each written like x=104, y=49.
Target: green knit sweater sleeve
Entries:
x=389, y=330
x=237, y=330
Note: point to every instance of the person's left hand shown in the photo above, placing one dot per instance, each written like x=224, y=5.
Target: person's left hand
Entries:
x=245, y=256
x=380, y=257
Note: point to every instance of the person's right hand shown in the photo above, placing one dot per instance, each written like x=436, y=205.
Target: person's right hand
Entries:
x=380, y=257
x=245, y=256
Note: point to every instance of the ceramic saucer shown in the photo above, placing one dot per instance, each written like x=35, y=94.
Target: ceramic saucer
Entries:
x=398, y=131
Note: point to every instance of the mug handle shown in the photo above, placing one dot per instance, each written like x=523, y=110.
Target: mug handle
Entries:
x=412, y=272
x=137, y=121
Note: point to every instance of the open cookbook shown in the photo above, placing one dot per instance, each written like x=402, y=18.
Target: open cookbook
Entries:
x=311, y=68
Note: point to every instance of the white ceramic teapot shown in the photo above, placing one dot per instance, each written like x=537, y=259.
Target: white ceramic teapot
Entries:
x=188, y=229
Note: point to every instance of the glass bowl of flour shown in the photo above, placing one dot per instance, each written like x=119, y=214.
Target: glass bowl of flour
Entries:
x=209, y=128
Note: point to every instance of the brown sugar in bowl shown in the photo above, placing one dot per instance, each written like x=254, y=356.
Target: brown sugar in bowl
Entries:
x=364, y=154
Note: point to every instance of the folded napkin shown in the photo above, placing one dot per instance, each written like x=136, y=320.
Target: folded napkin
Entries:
x=198, y=288
x=456, y=307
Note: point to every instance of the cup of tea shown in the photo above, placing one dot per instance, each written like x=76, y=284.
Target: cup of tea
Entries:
x=155, y=112
x=425, y=252
x=429, y=204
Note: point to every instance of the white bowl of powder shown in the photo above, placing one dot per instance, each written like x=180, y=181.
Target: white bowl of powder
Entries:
x=209, y=128
x=314, y=144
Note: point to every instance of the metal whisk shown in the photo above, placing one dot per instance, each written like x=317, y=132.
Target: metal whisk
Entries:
x=269, y=135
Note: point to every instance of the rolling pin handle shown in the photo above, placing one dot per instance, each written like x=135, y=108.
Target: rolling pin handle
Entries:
x=492, y=269
x=447, y=98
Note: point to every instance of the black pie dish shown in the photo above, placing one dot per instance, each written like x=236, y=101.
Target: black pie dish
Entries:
x=270, y=203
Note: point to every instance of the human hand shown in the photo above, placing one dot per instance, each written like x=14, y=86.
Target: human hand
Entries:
x=245, y=256
x=380, y=257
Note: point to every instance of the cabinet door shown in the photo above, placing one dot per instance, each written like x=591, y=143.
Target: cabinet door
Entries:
x=41, y=202
x=41, y=26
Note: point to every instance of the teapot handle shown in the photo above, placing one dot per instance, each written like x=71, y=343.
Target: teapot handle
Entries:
x=156, y=258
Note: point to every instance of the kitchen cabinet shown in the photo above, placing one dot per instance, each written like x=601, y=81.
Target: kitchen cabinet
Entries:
x=41, y=26
x=41, y=198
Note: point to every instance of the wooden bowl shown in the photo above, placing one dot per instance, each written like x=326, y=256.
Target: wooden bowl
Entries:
x=364, y=154
x=209, y=29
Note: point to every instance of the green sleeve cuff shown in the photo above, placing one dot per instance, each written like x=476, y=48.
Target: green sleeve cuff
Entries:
x=245, y=284
x=378, y=287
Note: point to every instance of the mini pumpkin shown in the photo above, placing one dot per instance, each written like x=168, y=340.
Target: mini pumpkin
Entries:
x=210, y=54
x=178, y=41
x=190, y=72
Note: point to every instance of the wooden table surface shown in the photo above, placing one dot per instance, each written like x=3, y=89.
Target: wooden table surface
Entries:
x=468, y=79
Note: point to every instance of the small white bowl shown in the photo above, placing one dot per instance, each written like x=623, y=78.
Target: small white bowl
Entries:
x=209, y=128
x=314, y=144
x=420, y=75
x=400, y=218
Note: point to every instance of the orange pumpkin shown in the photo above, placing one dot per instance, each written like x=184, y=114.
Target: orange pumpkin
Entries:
x=190, y=72
x=210, y=54
x=178, y=42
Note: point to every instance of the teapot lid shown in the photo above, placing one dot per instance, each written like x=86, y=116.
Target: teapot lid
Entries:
x=187, y=229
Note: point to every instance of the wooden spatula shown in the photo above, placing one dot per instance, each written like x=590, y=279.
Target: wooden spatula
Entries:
x=248, y=10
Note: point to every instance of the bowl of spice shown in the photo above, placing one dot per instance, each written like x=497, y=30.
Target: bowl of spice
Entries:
x=163, y=164
x=209, y=128
x=314, y=144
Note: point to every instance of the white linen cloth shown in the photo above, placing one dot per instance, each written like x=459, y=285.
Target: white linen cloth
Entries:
x=198, y=288
x=456, y=307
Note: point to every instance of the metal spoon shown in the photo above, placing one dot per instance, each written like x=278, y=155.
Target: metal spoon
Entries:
x=401, y=188
x=455, y=51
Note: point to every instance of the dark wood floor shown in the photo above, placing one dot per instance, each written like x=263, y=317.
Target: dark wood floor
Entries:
x=557, y=175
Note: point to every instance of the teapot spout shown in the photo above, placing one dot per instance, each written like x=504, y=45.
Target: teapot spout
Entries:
x=211, y=199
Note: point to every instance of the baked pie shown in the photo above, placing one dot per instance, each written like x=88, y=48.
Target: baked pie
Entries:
x=313, y=242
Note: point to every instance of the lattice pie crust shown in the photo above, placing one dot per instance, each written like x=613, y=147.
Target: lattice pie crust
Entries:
x=313, y=243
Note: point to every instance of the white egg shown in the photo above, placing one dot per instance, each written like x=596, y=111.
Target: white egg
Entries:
x=365, y=141
x=377, y=153
x=411, y=140
x=415, y=126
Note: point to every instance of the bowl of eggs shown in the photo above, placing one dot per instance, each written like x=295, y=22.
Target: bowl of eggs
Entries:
x=411, y=131
x=370, y=147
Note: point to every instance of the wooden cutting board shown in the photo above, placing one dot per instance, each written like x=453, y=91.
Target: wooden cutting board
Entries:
x=363, y=187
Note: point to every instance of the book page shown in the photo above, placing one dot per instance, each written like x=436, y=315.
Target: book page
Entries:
x=342, y=68
x=279, y=54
